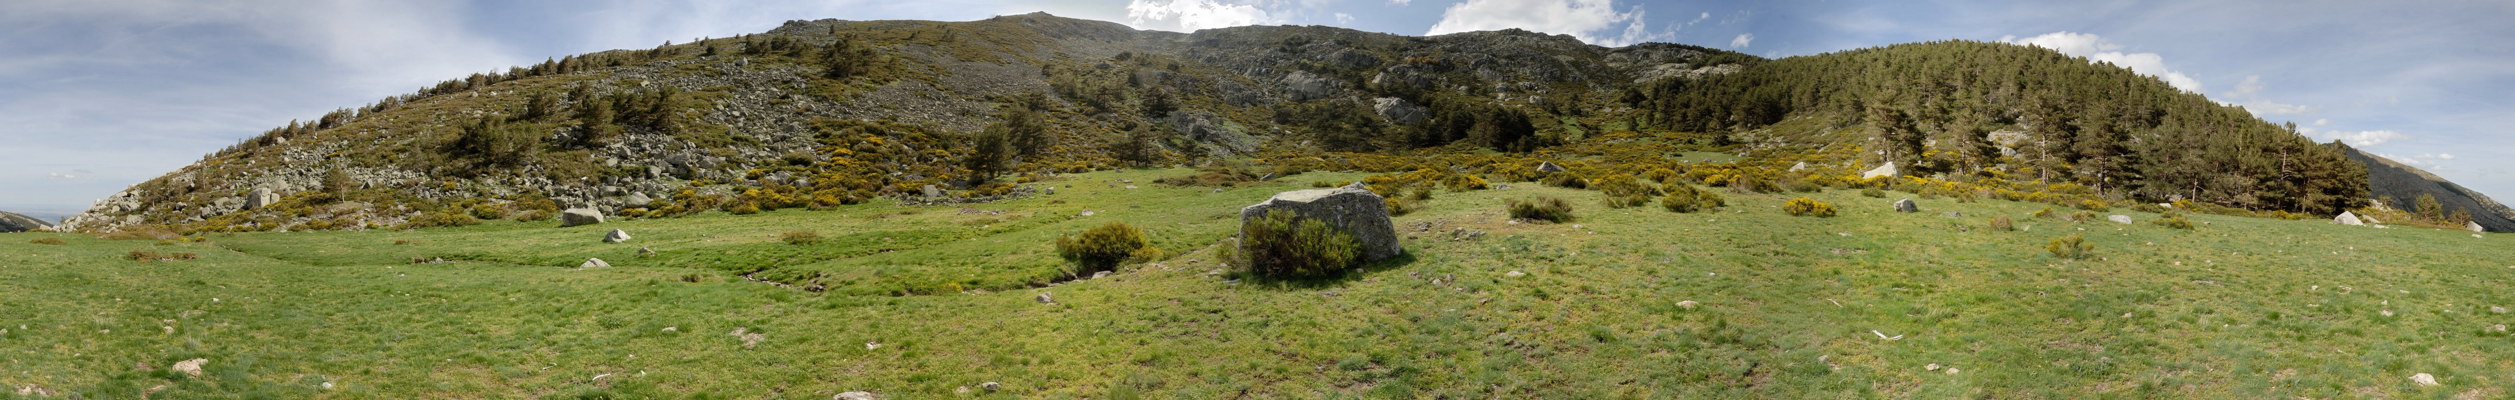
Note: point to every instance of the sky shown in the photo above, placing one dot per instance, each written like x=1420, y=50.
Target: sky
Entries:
x=97, y=95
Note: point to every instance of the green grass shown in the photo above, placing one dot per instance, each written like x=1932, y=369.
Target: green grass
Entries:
x=2235, y=308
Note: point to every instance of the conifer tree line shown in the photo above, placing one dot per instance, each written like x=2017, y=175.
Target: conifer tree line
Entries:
x=1933, y=108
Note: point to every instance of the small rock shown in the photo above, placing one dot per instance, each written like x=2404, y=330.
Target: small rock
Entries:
x=669, y=329
x=645, y=252
x=1087, y=213
x=1548, y=166
x=1906, y=205
x=2497, y=310
x=1515, y=274
x=990, y=387
x=2499, y=328
x=873, y=345
x=594, y=263
x=1045, y=298
x=856, y=396
x=1951, y=370
x=2387, y=313
x=1101, y=274
x=1931, y=367
x=616, y=236
x=2424, y=379
x=192, y=367
x=2119, y=218
x=1688, y=304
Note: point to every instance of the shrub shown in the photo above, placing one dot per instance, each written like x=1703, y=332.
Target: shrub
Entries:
x=2172, y=219
x=1102, y=247
x=1622, y=191
x=51, y=241
x=1802, y=207
x=147, y=256
x=1566, y=180
x=1547, y=209
x=1282, y=244
x=441, y=218
x=2046, y=212
x=2093, y=205
x=1685, y=199
x=2070, y=247
x=1873, y=192
x=2002, y=223
x=2082, y=216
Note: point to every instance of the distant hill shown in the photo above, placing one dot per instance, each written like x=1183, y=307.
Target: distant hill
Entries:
x=2400, y=184
x=14, y=222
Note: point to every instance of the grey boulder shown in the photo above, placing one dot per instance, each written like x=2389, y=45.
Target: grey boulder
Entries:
x=1353, y=209
x=579, y=216
x=1906, y=205
x=2119, y=218
x=616, y=236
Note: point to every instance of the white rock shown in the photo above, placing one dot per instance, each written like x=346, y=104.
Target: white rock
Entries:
x=594, y=263
x=990, y=386
x=2497, y=310
x=1514, y=274
x=616, y=236
x=2424, y=379
x=1688, y=304
x=191, y=367
x=856, y=396
x=1045, y=298
x=1931, y=367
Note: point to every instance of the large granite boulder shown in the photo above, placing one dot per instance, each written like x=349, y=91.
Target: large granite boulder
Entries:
x=1399, y=111
x=1887, y=170
x=2348, y=218
x=2474, y=226
x=580, y=216
x=1352, y=208
x=260, y=197
x=1548, y=166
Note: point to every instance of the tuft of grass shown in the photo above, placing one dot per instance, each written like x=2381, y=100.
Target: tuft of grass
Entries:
x=2002, y=223
x=1547, y=209
x=1685, y=199
x=2072, y=247
x=50, y=241
x=800, y=237
x=1872, y=193
x=2173, y=219
x=1102, y=247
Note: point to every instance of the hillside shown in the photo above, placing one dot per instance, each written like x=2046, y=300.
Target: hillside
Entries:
x=2400, y=185
x=14, y=222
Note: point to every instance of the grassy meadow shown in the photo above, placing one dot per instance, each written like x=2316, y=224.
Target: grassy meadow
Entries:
x=932, y=301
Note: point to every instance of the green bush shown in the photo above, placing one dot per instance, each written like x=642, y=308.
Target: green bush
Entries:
x=1685, y=199
x=2082, y=216
x=1873, y=192
x=1282, y=244
x=1547, y=209
x=2172, y=219
x=1803, y=207
x=1565, y=180
x=1101, y=248
x=2093, y=205
x=441, y=218
x=2046, y=212
x=1622, y=191
x=2070, y=247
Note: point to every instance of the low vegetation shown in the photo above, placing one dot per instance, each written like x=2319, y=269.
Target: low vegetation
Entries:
x=1804, y=207
x=1548, y=209
x=1102, y=247
x=1284, y=245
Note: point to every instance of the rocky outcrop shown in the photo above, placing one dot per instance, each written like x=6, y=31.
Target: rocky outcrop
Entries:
x=14, y=222
x=1887, y=170
x=2348, y=218
x=260, y=197
x=1353, y=209
x=1399, y=111
x=2401, y=184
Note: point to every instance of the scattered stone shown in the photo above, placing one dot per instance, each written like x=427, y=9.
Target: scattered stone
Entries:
x=856, y=396
x=2348, y=218
x=748, y=337
x=1887, y=170
x=873, y=345
x=1514, y=274
x=1951, y=370
x=2473, y=226
x=616, y=236
x=2386, y=313
x=1086, y=213
x=2497, y=310
x=990, y=387
x=2119, y=219
x=1688, y=304
x=191, y=367
x=1906, y=205
x=1353, y=209
x=2499, y=328
x=1045, y=298
x=594, y=263
x=1101, y=274
x=1801, y=166
x=579, y=216
x=932, y=192
x=645, y=252
x=2424, y=379
x=1931, y=367
x=671, y=329
x=1548, y=166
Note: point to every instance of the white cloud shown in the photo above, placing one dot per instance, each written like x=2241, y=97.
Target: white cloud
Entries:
x=1401, y=2
x=2358, y=138
x=2252, y=85
x=1742, y=40
x=1587, y=20
x=1192, y=15
x=2322, y=121
x=2096, y=49
x=2248, y=94
x=1343, y=18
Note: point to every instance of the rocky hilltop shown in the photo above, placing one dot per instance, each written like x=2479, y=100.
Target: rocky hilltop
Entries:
x=722, y=117
x=2398, y=185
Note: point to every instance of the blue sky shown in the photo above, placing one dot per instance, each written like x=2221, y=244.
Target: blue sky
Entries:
x=98, y=94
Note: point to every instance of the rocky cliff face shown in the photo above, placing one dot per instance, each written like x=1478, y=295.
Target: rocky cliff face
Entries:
x=749, y=114
x=2400, y=184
